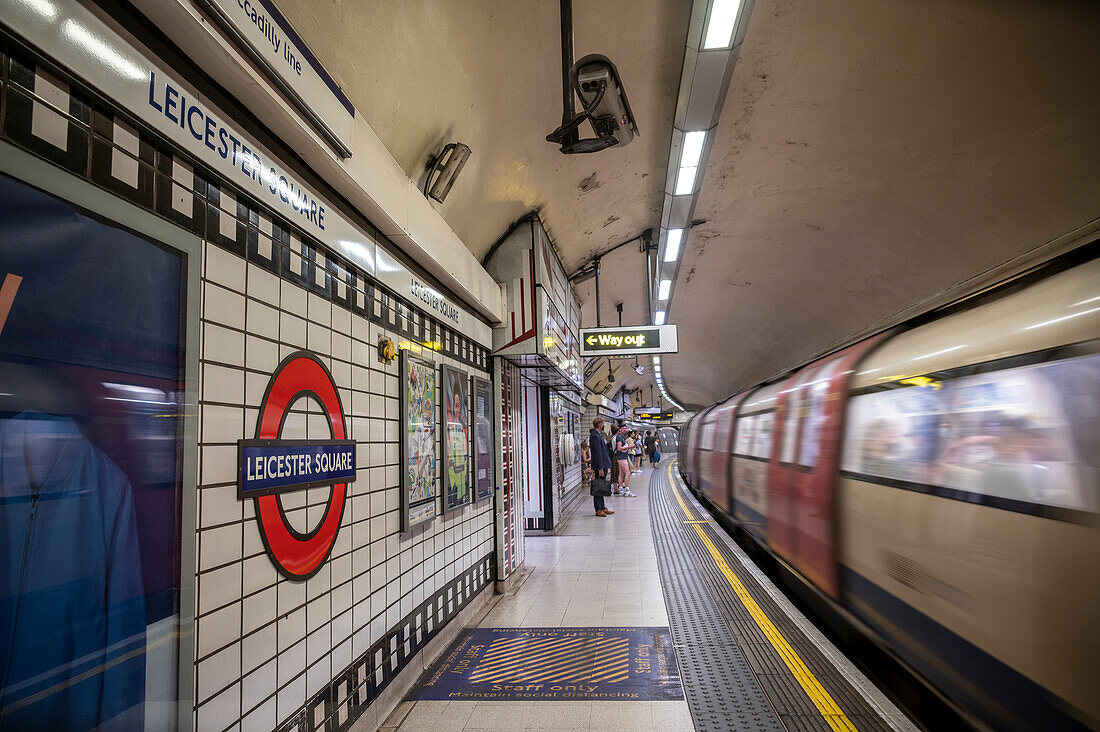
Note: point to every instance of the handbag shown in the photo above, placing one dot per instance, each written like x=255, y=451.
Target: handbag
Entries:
x=600, y=487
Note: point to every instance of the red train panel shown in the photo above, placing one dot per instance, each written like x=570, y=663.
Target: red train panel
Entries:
x=714, y=453
x=810, y=429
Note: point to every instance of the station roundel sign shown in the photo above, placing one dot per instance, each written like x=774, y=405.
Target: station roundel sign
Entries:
x=296, y=555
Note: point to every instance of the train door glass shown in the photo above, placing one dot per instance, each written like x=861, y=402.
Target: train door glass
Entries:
x=816, y=395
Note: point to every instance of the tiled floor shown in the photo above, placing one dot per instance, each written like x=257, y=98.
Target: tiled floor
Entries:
x=599, y=572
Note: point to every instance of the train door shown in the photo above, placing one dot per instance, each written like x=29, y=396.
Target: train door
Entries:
x=714, y=467
x=820, y=434
x=781, y=473
x=752, y=449
x=693, y=447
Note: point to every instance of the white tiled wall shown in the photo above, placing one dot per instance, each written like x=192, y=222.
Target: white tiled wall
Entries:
x=265, y=644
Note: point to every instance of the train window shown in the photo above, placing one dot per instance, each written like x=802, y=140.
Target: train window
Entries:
x=765, y=426
x=1029, y=434
x=795, y=407
x=746, y=430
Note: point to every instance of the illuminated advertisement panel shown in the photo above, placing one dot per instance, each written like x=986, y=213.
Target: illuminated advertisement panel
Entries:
x=418, y=457
x=456, y=439
x=483, y=439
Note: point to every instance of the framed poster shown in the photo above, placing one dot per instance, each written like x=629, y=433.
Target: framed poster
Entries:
x=100, y=316
x=456, y=438
x=418, y=459
x=483, y=438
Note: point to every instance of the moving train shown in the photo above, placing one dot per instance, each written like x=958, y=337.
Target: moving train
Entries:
x=940, y=484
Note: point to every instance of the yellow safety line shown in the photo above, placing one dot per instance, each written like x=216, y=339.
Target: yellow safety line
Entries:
x=825, y=704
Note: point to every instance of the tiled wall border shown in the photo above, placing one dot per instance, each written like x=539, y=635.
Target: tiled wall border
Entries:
x=337, y=707
x=104, y=145
x=48, y=113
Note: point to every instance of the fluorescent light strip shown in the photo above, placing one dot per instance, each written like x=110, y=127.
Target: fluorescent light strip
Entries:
x=664, y=289
x=723, y=16
x=672, y=244
x=660, y=319
x=685, y=181
x=692, y=149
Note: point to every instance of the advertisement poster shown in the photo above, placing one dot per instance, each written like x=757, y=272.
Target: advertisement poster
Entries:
x=91, y=394
x=456, y=438
x=483, y=438
x=418, y=458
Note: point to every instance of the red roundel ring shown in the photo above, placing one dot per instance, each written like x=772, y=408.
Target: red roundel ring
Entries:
x=299, y=556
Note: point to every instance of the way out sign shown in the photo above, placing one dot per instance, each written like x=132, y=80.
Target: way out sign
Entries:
x=635, y=341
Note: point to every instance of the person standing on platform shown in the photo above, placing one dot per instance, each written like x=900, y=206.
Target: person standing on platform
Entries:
x=601, y=464
x=614, y=463
x=621, y=445
x=650, y=447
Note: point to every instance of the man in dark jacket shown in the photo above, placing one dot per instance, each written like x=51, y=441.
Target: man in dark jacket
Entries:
x=601, y=463
x=650, y=447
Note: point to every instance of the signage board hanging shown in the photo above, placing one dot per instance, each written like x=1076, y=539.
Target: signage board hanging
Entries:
x=652, y=414
x=629, y=341
x=264, y=34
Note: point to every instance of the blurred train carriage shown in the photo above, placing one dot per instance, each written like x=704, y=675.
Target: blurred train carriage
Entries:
x=941, y=482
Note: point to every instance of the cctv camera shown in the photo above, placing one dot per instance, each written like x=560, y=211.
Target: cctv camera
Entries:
x=639, y=369
x=597, y=82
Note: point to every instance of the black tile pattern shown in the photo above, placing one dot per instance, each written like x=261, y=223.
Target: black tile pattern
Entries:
x=182, y=190
x=178, y=188
x=338, y=706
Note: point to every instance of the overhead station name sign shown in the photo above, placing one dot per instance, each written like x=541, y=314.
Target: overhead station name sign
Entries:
x=264, y=34
x=636, y=341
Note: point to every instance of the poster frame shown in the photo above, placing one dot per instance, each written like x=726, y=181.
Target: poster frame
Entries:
x=463, y=378
x=116, y=211
x=476, y=382
x=404, y=359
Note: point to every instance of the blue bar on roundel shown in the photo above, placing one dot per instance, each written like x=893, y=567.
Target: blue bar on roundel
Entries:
x=276, y=466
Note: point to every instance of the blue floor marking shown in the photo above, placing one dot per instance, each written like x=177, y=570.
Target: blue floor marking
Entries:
x=555, y=664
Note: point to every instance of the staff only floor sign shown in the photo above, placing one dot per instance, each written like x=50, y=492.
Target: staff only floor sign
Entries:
x=555, y=664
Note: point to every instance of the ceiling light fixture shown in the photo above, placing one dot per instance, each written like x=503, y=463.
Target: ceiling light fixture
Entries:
x=672, y=244
x=711, y=50
x=685, y=181
x=445, y=168
x=723, y=16
x=693, y=148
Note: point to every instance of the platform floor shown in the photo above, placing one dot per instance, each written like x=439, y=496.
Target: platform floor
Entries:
x=604, y=573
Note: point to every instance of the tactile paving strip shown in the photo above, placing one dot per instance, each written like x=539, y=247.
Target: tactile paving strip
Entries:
x=786, y=695
x=721, y=689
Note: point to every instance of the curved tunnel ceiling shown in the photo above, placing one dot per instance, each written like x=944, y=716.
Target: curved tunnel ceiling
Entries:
x=870, y=154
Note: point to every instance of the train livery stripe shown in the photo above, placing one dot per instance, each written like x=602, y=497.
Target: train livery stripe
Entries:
x=1029, y=508
x=954, y=664
x=826, y=705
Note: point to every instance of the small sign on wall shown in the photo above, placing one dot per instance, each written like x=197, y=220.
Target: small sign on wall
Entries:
x=276, y=466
